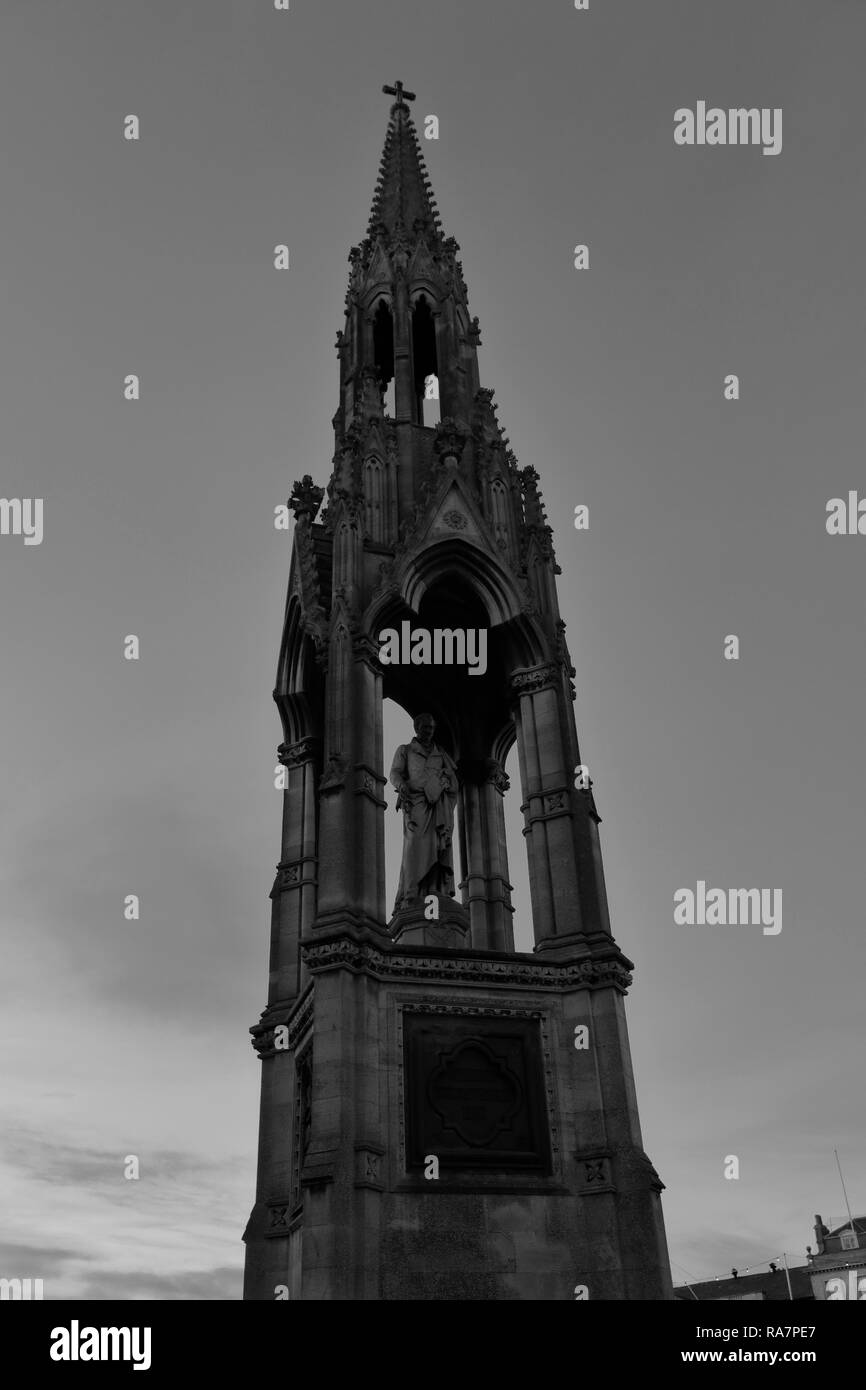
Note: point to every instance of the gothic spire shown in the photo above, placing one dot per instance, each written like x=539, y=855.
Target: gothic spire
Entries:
x=403, y=195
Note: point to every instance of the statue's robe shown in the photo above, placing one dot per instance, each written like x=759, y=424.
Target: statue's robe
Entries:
x=428, y=820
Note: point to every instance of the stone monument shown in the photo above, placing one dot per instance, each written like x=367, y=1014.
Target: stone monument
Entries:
x=442, y=1117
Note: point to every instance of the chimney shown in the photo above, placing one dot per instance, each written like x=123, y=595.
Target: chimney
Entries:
x=820, y=1232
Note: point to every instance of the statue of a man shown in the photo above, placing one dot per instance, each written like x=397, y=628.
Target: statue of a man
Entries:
x=426, y=782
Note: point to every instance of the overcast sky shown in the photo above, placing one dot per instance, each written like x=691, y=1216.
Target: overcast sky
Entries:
x=707, y=517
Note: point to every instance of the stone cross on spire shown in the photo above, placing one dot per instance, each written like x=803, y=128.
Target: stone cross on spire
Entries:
x=398, y=92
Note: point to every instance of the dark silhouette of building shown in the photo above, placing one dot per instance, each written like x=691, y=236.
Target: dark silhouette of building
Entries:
x=767, y=1285
x=837, y=1265
x=835, y=1270
x=441, y=1117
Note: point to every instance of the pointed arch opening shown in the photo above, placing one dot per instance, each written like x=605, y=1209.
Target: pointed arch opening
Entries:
x=424, y=362
x=488, y=581
x=298, y=689
x=447, y=584
x=383, y=354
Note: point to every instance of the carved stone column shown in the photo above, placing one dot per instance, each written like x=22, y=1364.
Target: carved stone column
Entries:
x=351, y=823
x=403, y=384
x=486, y=889
x=294, y=892
x=546, y=780
x=569, y=902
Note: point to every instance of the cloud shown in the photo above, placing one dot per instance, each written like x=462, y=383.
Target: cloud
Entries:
x=173, y=1233
x=25, y=1261
x=52, y=1161
x=223, y=1282
x=186, y=955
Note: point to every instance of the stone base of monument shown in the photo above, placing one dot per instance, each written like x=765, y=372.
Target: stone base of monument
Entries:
x=410, y=927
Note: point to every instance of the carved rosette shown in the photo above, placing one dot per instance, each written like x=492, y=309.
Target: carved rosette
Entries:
x=369, y=1165
x=291, y=875
x=594, y=1171
x=279, y=1219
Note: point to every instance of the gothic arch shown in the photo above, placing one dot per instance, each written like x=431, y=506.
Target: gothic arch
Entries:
x=423, y=315
x=504, y=742
x=380, y=291
x=507, y=611
x=424, y=289
x=381, y=316
x=496, y=589
x=298, y=687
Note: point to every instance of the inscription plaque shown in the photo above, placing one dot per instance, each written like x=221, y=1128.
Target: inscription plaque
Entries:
x=474, y=1092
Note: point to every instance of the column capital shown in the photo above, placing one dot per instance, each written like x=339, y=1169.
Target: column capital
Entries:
x=365, y=649
x=534, y=678
x=294, y=754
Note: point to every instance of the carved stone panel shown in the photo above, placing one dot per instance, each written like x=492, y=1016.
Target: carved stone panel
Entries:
x=475, y=1093
x=594, y=1171
x=369, y=1163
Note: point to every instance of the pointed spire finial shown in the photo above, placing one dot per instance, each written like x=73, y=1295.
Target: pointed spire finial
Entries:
x=398, y=91
x=403, y=202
